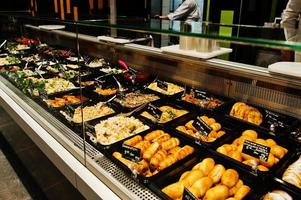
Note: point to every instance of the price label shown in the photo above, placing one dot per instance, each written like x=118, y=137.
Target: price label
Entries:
x=187, y=195
x=202, y=127
x=201, y=94
x=154, y=111
x=256, y=150
x=131, y=153
x=162, y=85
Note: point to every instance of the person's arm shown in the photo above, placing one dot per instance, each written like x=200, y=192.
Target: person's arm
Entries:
x=181, y=11
x=289, y=18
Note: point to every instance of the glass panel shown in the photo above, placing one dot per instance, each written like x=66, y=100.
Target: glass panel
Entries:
x=240, y=34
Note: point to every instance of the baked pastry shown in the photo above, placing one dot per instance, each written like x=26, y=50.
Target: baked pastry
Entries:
x=245, y=112
x=292, y=174
x=277, y=195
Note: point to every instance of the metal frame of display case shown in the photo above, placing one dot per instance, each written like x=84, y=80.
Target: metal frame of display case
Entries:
x=92, y=173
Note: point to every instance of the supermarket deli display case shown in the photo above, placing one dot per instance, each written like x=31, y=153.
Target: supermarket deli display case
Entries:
x=123, y=119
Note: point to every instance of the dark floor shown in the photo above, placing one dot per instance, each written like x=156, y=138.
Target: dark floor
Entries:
x=26, y=173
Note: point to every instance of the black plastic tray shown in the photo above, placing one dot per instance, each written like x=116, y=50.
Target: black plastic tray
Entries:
x=288, y=121
x=206, y=94
x=281, y=171
x=90, y=131
x=295, y=134
x=128, y=109
x=276, y=185
x=289, y=145
x=160, y=103
x=173, y=176
x=228, y=125
x=146, y=180
x=166, y=96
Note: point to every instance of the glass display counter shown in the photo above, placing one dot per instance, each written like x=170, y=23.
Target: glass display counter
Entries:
x=123, y=114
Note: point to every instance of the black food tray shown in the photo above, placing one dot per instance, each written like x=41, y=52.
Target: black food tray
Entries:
x=287, y=121
x=282, y=169
x=160, y=103
x=177, y=95
x=147, y=180
x=91, y=134
x=262, y=134
x=295, y=134
x=128, y=109
x=228, y=125
x=203, y=96
x=277, y=185
x=173, y=176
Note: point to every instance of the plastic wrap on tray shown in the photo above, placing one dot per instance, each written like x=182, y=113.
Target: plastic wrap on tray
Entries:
x=158, y=151
x=208, y=179
x=135, y=99
x=117, y=128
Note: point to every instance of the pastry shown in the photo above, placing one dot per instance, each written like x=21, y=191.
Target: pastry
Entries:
x=245, y=112
x=277, y=195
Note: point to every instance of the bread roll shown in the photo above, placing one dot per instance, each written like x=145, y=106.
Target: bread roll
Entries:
x=236, y=155
x=270, y=142
x=219, y=192
x=171, y=143
x=222, y=150
x=230, y=178
x=202, y=185
x=174, y=191
x=235, y=188
x=262, y=168
x=158, y=157
x=277, y=151
x=134, y=140
x=217, y=173
x=162, y=138
x=250, y=133
x=152, y=135
x=205, y=166
x=168, y=161
x=242, y=192
x=270, y=162
x=277, y=195
x=150, y=151
x=192, y=177
x=184, y=151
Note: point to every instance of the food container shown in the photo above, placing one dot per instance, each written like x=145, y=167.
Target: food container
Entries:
x=202, y=99
x=140, y=177
x=262, y=134
x=175, y=91
x=274, y=122
x=283, y=168
x=174, y=175
x=172, y=113
x=91, y=133
x=134, y=98
x=273, y=185
x=227, y=124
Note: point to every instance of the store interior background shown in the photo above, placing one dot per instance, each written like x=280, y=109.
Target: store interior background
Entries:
x=243, y=12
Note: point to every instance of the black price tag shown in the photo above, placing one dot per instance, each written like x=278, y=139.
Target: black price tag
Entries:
x=154, y=111
x=131, y=153
x=201, y=94
x=187, y=195
x=256, y=150
x=162, y=85
x=202, y=127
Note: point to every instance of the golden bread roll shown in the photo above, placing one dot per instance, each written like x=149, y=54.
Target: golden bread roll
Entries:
x=277, y=194
x=270, y=162
x=206, y=166
x=228, y=147
x=216, y=126
x=150, y=151
x=210, y=121
x=236, y=155
x=181, y=128
x=183, y=176
x=195, y=191
x=174, y=150
x=222, y=150
x=217, y=173
x=158, y=157
x=134, y=140
x=242, y=192
x=247, y=157
x=261, y=141
x=152, y=135
x=171, y=143
x=168, y=161
x=219, y=192
x=202, y=185
x=189, y=125
x=192, y=177
x=174, y=191
x=252, y=163
x=143, y=145
x=235, y=188
x=262, y=168
x=231, y=198
x=270, y=142
x=184, y=151
x=250, y=133
x=230, y=178
x=277, y=151
x=162, y=138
